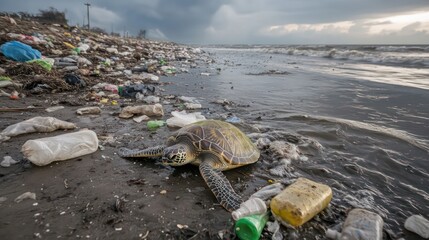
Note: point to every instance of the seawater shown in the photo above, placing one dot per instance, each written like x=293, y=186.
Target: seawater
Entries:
x=358, y=116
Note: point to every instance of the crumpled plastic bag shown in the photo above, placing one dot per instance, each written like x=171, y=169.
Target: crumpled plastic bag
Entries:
x=155, y=110
x=44, y=151
x=181, y=119
x=36, y=124
x=19, y=51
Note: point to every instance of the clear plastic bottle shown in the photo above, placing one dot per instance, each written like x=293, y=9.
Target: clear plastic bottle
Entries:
x=250, y=207
x=360, y=224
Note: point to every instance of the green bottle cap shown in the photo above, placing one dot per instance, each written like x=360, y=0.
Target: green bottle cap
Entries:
x=250, y=227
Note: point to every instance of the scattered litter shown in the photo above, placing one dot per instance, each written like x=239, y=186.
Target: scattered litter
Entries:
x=7, y=161
x=192, y=106
x=250, y=227
x=44, y=151
x=36, y=124
x=300, y=202
x=181, y=119
x=250, y=207
x=19, y=51
x=155, y=110
x=163, y=192
x=54, y=108
x=24, y=196
x=155, y=124
x=418, y=224
x=74, y=80
x=233, y=120
x=274, y=229
x=88, y=110
x=141, y=118
x=180, y=226
x=359, y=224
x=268, y=192
x=205, y=74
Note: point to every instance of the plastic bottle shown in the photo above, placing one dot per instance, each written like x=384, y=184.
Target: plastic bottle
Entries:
x=250, y=207
x=300, y=202
x=359, y=225
x=268, y=192
x=44, y=151
x=155, y=124
x=250, y=227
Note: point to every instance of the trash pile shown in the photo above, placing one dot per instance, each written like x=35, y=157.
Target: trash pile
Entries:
x=38, y=59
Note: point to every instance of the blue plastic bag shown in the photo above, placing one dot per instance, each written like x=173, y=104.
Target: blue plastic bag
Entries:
x=19, y=51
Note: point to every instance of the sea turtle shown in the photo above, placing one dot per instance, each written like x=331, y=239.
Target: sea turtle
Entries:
x=213, y=145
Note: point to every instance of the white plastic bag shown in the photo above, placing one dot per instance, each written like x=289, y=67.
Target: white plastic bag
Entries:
x=418, y=224
x=183, y=118
x=44, y=151
x=36, y=124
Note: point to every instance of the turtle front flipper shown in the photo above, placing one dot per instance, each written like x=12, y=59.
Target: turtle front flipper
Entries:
x=148, y=152
x=219, y=185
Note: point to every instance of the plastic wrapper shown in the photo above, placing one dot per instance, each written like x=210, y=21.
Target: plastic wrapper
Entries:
x=36, y=124
x=44, y=151
x=181, y=119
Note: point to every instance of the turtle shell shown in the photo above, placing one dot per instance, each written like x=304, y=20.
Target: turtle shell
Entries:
x=221, y=138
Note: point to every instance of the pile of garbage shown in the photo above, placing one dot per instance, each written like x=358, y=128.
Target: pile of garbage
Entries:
x=37, y=58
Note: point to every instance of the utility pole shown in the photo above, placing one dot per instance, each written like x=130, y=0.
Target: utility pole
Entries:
x=87, y=12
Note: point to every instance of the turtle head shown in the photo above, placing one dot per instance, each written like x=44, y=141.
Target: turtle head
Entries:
x=177, y=155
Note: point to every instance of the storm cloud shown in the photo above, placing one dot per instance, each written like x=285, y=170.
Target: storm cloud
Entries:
x=252, y=21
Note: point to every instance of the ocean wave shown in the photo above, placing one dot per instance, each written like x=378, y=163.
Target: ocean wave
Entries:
x=390, y=132
x=406, y=56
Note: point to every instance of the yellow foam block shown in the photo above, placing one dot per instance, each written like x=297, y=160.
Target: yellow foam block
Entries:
x=300, y=202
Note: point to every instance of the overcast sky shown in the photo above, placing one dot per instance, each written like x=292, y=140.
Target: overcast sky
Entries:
x=252, y=21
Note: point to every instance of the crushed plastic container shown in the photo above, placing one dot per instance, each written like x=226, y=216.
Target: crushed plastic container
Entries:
x=250, y=227
x=300, y=202
x=360, y=224
x=250, y=207
x=44, y=151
